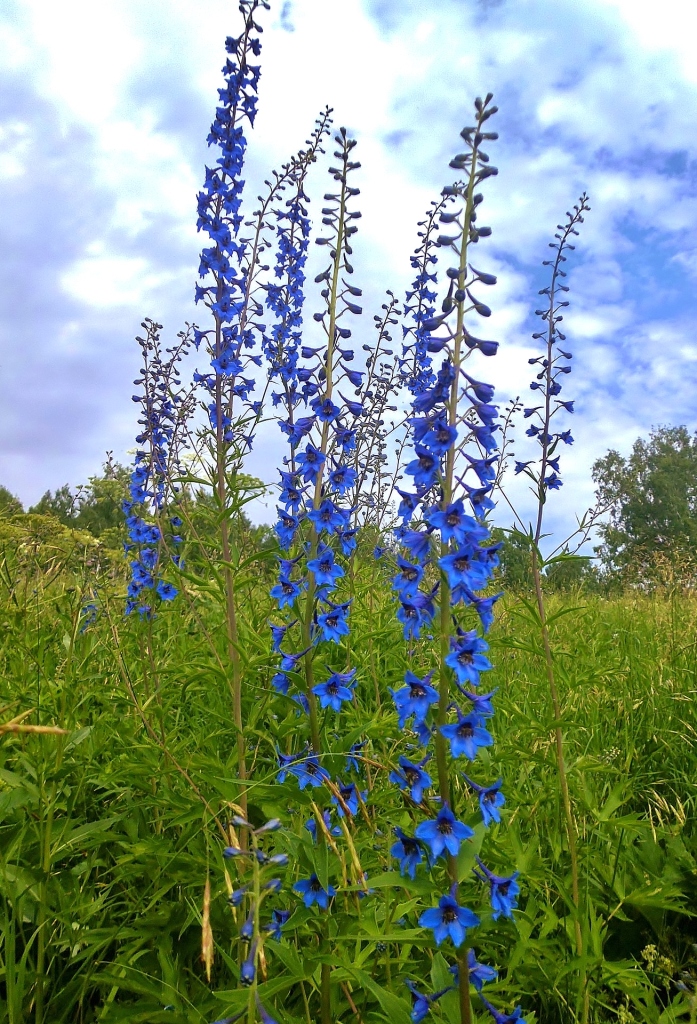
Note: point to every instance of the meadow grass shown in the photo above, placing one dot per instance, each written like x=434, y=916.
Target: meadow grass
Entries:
x=110, y=831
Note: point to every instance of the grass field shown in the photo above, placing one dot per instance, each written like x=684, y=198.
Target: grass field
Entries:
x=111, y=829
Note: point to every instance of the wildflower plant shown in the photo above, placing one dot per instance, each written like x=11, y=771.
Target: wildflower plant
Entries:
x=446, y=564
x=332, y=401
x=165, y=410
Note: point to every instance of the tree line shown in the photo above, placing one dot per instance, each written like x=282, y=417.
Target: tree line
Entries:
x=648, y=534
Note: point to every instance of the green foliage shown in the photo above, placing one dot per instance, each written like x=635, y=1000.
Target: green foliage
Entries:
x=652, y=499
x=110, y=832
x=516, y=568
x=94, y=508
x=565, y=572
x=9, y=504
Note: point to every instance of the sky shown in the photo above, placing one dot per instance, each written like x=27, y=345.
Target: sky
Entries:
x=104, y=112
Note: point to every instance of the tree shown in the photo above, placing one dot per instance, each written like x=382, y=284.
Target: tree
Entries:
x=94, y=507
x=652, y=499
x=62, y=504
x=9, y=504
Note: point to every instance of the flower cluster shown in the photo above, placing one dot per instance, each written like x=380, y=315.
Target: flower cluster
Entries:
x=545, y=472
x=316, y=528
x=419, y=306
x=446, y=563
x=163, y=411
x=314, y=517
x=285, y=295
x=227, y=265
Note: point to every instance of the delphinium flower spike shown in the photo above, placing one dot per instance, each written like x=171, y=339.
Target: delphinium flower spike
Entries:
x=444, y=533
x=315, y=516
x=165, y=409
x=229, y=271
x=553, y=365
x=545, y=474
x=371, y=478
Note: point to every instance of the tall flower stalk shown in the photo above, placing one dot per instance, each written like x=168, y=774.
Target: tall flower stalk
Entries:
x=227, y=270
x=317, y=532
x=545, y=474
x=165, y=409
x=448, y=562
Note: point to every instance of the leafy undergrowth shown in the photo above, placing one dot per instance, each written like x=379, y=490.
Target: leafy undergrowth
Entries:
x=111, y=829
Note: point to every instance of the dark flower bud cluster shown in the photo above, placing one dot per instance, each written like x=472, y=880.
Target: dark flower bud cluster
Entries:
x=420, y=301
x=253, y=894
x=553, y=365
x=285, y=295
x=446, y=564
x=164, y=409
x=372, y=487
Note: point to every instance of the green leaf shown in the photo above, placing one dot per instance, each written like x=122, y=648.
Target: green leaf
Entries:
x=397, y=1010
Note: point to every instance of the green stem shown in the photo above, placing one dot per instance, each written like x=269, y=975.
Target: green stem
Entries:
x=326, y=994
x=570, y=824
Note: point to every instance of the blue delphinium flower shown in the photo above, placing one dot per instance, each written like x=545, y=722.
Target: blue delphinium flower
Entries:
x=309, y=772
x=503, y=890
x=479, y=974
x=264, y=1016
x=481, y=703
x=490, y=799
x=415, y=698
x=336, y=690
x=312, y=892
x=347, y=800
x=311, y=826
x=449, y=920
x=286, y=591
x=274, y=927
x=421, y=1002
x=408, y=851
x=504, y=1018
x=88, y=615
x=352, y=756
x=412, y=777
x=333, y=624
x=466, y=736
x=248, y=969
x=406, y=582
x=444, y=834
x=466, y=658
x=324, y=568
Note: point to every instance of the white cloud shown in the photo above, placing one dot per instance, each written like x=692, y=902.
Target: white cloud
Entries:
x=107, y=281
x=596, y=95
x=14, y=145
